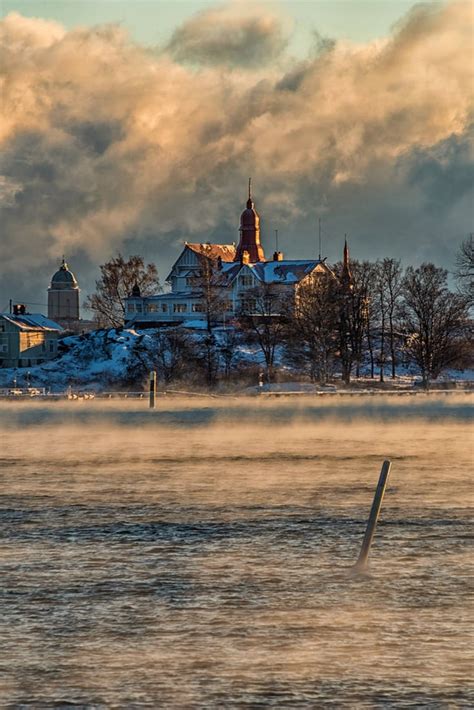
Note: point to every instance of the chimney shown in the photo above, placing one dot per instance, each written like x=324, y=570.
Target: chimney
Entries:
x=245, y=257
x=136, y=293
x=19, y=309
x=277, y=256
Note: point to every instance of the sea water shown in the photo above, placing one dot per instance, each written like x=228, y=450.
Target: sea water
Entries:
x=199, y=555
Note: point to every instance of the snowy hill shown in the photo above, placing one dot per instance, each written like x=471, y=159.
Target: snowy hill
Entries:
x=107, y=360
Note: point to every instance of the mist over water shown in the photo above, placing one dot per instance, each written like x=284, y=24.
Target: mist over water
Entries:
x=199, y=555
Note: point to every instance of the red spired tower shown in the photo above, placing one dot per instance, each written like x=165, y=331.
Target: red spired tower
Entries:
x=250, y=233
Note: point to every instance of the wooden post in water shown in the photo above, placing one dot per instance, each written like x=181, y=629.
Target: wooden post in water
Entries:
x=152, y=389
x=362, y=562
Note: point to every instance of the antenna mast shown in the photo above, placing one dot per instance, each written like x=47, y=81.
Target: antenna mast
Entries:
x=276, y=239
x=319, y=234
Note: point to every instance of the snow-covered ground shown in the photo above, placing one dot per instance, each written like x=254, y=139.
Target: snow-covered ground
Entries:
x=103, y=360
x=120, y=359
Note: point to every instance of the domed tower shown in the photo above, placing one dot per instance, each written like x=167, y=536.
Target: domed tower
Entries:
x=250, y=234
x=63, y=297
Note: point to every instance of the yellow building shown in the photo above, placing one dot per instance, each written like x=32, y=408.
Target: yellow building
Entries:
x=27, y=339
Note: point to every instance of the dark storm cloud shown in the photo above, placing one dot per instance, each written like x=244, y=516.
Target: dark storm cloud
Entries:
x=444, y=173
x=96, y=136
x=106, y=146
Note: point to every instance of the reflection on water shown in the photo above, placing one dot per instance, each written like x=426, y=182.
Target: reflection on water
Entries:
x=199, y=556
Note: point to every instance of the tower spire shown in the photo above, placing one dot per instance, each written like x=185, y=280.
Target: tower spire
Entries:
x=346, y=275
x=249, y=246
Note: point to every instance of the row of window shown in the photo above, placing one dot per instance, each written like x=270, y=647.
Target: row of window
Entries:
x=51, y=346
x=174, y=307
x=192, y=281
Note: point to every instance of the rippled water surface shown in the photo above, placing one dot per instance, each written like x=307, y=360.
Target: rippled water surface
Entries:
x=199, y=555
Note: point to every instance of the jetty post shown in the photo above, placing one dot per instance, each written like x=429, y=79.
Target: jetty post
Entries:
x=362, y=562
x=152, y=389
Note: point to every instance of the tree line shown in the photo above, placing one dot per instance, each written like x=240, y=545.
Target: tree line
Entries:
x=381, y=320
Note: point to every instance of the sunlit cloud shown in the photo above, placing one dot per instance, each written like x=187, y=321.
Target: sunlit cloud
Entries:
x=238, y=34
x=106, y=143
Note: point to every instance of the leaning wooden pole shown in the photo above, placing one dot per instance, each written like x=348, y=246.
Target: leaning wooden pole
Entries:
x=362, y=562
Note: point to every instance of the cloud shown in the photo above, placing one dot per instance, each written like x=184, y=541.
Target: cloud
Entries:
x=235, y=35
x=106, y=145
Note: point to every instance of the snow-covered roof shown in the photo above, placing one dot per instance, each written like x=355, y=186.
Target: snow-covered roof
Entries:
x=285, y=272
x=280, y=272
x=31, y=321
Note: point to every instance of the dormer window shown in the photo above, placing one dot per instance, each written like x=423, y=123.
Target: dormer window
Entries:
x=245, y=280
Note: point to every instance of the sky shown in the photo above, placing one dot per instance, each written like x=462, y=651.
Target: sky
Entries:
x=134, y=126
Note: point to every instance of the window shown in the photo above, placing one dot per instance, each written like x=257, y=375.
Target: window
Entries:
x=197, y=308
x=164, y=307
x=131, y=308
x=151, y=308
x=51, y=346
x=190, y=281
x=246, y=280
x=2, y=328
x=3, y=348
x=180, y=307
x=43, y=346
x=139, y=308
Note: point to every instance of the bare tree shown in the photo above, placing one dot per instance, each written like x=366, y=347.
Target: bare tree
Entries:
x=172, y=352
x=465, y=268
x=367, y=309
x=228, y=342
x=311, y=337
x=435, y=320
x=345, y=351
x=388, y=288
x=206, y=350
x=209, y=286
x=354, y=312
x=117, y=279
x=263, y=317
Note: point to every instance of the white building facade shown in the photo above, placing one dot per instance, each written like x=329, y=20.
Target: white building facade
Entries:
x=235, y=272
